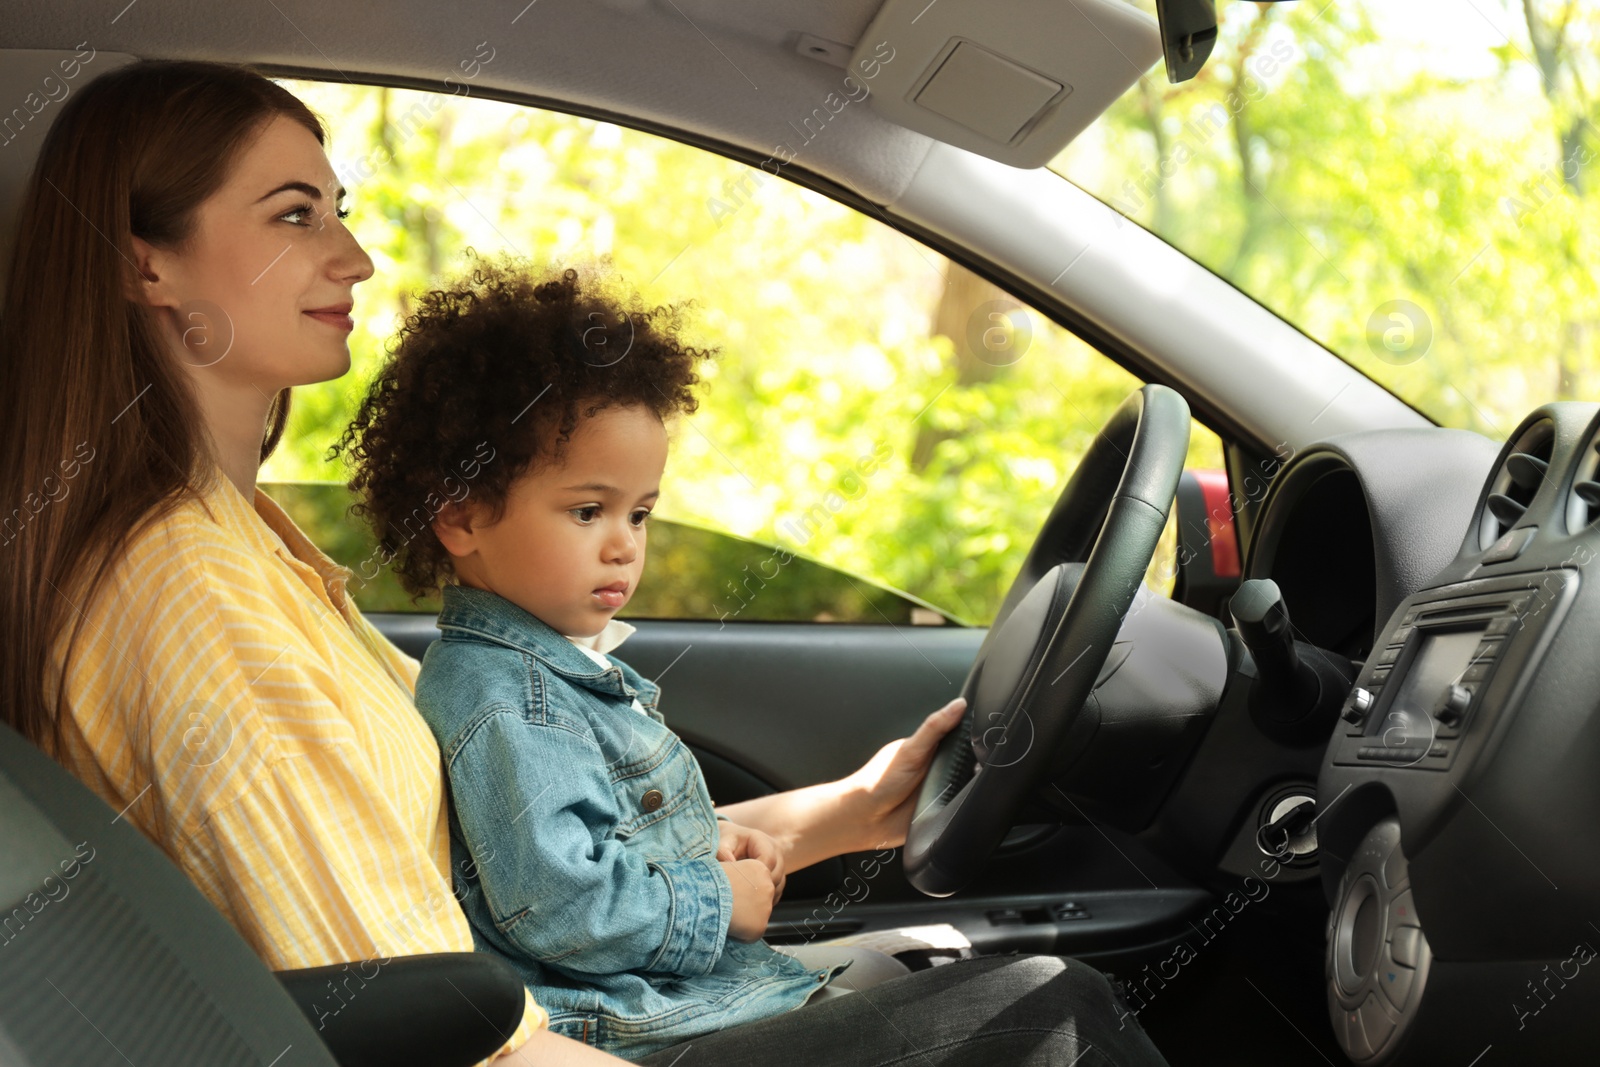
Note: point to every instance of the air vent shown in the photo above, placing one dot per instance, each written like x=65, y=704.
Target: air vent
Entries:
x=1516, y=482
x=1583, y=503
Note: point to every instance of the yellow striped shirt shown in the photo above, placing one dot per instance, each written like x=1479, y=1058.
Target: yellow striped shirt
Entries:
x=231, y=702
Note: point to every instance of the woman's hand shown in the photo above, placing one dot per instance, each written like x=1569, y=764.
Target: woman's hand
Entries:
x=746, y=843
x=884, y=791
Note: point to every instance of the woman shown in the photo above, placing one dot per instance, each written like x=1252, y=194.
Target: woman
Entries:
x=180, y=645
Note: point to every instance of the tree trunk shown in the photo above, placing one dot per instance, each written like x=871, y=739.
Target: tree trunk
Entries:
x=1552, y=56
x=970, y=311
x=1150, y=104
x=1253, y=197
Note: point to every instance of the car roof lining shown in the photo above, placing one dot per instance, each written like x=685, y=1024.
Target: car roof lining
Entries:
x=728, y=73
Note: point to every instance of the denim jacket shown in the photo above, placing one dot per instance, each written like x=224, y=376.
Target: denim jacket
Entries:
x=583, y=838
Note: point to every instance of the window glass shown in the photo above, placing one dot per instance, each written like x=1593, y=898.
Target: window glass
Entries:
x=1411, y=183
x=690, y=573
x=874, y=407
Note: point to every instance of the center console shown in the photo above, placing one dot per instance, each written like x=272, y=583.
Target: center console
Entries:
x=1424, y=685
x=1427, y=702
x=1459, y=794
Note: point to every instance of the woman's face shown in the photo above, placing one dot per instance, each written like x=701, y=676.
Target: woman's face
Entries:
x=260, y=295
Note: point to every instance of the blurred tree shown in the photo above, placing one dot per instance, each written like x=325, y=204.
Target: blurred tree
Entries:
x=967, y=297
x=1386, y=193
x=849, y=417
x=1564, y=55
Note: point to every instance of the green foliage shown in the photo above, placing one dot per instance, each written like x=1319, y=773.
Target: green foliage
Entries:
x=836, y=422
x=690, y=573
x=1369, y=155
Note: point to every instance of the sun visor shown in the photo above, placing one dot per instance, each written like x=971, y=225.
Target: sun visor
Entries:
x=1013, y=81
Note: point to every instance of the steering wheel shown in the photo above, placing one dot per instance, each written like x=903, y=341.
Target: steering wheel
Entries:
x=1042, y=656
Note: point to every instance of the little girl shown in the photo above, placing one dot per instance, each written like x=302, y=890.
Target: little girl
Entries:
x=586, y=847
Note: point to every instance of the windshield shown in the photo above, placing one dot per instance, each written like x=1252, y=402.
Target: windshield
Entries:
x=1411, y=184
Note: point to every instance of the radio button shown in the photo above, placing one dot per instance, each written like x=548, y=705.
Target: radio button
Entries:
x=1357, y=706
x=1453, y=705
x=1376, y=1022
x=1402, y=914
x=1408, y=754
x=1355, y=1037
x=1500, y=624
x=1395, y=981
x=1404, y=949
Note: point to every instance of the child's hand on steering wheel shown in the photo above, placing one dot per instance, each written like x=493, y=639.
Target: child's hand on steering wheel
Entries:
x=886, y=786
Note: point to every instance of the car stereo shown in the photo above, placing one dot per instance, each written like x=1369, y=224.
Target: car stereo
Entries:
x=1417, y=694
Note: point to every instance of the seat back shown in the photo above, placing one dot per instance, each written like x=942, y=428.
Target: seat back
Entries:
x=108, y=954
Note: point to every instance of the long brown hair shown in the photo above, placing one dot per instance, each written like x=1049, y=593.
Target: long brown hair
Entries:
x=100, y=432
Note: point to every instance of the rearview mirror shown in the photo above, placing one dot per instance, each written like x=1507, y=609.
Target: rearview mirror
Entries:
x=1188, y=33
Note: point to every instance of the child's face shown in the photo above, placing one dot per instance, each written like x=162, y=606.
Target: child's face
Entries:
x=570, y=547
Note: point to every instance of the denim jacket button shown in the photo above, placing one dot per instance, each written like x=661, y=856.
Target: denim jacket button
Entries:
x=651, y=800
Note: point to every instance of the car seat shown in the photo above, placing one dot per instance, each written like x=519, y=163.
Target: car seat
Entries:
x=109, y=955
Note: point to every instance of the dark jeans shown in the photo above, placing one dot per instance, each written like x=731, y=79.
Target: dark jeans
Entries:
x=994, y=1011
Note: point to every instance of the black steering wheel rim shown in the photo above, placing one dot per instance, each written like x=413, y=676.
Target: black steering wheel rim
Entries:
x=1039, y=662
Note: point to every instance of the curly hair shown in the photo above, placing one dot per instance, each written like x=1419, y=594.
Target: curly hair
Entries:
x=486, y=382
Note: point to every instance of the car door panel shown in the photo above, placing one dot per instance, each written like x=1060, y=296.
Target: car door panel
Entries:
x=789, y=704
x=774, y=706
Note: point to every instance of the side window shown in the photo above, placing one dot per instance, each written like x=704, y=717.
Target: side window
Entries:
x=875, y=407
x=690, y=572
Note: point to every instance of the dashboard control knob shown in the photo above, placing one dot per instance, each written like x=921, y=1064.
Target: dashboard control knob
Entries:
x=1453, y=705
x=1359, y=704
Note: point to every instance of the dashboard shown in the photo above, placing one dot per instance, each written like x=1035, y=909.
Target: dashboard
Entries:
x=1318, y=548
x=1459, y=794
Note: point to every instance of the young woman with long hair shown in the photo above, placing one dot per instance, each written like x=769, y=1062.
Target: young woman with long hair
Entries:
x=180, y=265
